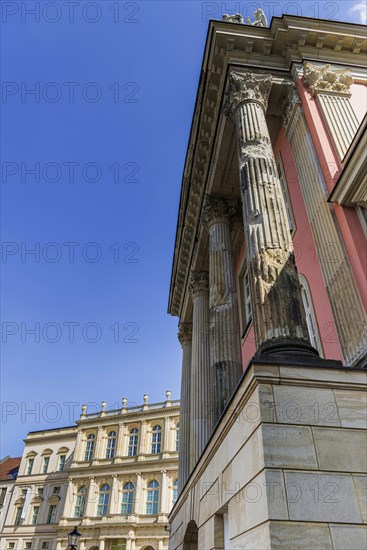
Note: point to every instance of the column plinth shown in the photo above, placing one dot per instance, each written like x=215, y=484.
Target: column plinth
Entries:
x=225, y=343
x=278, y=312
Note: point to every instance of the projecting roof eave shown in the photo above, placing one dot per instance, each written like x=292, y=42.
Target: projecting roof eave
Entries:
x=281, y=47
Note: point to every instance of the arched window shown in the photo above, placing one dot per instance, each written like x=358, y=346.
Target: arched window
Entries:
x=104, y=500
x=177, y=440
x=310, y=315
x=127, y=498
x=156, y=439
x=111, y=445
x=153, y=497
x=80, y=502
x=89, y=450
x=133, y=442
x=175, y=491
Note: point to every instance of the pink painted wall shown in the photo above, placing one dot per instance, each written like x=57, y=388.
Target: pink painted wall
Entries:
x=305, y=253
x=347, y=218
x=359, y=100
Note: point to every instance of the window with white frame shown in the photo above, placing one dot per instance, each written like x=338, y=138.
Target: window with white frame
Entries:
x=286, y=197
x=104, y=500
x=175, y=491
x=11, y=545
x=177, y=439
x=81, y=499
x=133, y=442
x=2, y=495
x=111, y=445
x=30, y=466
x=127, y=498
x=152, y=497
x=35, y=512
x=310, y=315
x=51, y=518
x=62, y=460
x=18, y=515
x=45, y=464
x=89, y=450
x=156, y=439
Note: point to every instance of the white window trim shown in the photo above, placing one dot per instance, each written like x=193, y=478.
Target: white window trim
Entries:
x=310, y=312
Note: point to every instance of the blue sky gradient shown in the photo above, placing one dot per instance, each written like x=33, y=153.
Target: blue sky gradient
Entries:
x=105, y=133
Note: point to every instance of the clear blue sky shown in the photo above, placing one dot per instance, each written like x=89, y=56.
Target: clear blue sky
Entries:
x=106, y=132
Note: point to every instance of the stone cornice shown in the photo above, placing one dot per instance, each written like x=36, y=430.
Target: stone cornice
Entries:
x=129, y=417
x=325, y=79
x=290, y=40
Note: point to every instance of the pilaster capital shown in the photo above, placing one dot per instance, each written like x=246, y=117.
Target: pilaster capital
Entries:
x=218, y=209
x=184, y=333
x=325, y=79
x=247, y=87
x=290, y=104
x=199, y=283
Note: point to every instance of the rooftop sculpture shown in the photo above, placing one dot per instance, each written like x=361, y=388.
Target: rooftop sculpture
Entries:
x=259, y=21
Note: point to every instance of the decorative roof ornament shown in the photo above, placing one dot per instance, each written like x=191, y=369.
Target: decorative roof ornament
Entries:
x=326, y=79
x=259, y=21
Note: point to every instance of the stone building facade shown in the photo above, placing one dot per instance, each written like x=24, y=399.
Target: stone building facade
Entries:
x=114, y=475
x=9, y=468
x=269, y=284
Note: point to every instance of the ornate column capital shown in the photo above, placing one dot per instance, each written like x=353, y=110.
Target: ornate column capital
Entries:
x=247, y=87
x=184, y=333
x=290, y=104
x=218, y=209
x=199, y=283
x=325, y=79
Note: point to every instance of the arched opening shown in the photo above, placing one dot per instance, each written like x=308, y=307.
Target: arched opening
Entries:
x=191, y=537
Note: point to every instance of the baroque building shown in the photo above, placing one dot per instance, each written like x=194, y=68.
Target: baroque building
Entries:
x=269, y=284
x=114, y=476
x=9, y=468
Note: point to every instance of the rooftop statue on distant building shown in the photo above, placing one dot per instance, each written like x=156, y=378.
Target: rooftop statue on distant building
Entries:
x=260, y=19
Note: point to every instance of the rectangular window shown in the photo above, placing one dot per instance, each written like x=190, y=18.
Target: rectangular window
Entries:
x=45, y=545
x=11, y=545
x=35, y=512
x=30, y=466
x=28, y=545
x=286, y=197
x=245, y=300
x=18, y=515
x=40, y=492
x=56, y=490
x=46, y=462
x=52, y=514
x=62, y=461
x=2, y=496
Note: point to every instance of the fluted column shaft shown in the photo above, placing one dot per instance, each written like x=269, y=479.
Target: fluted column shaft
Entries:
x=201, y=391
x=225, y=343
x=185, y=337
x=278, y=312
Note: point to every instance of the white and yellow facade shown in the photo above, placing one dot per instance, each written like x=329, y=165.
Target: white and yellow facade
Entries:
x=116, y=479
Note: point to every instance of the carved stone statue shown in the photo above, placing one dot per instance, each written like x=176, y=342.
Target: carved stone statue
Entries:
x=236, y=18
x=260, y=19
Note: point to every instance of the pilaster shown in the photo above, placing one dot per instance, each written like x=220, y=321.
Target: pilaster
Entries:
x=185, y=338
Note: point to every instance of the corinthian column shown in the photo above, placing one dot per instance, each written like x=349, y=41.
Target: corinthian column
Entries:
x=184, y=336
x=201, y=394
x=225, y=344
x=279, y=317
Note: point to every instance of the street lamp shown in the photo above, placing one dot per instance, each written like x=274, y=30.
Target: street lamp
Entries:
x=74, y=537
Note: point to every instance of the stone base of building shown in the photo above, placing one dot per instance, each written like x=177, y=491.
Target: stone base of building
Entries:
x=285, y=467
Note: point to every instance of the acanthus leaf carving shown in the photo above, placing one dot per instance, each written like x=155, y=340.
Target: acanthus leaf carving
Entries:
x=326, y=79
x=247, y=87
